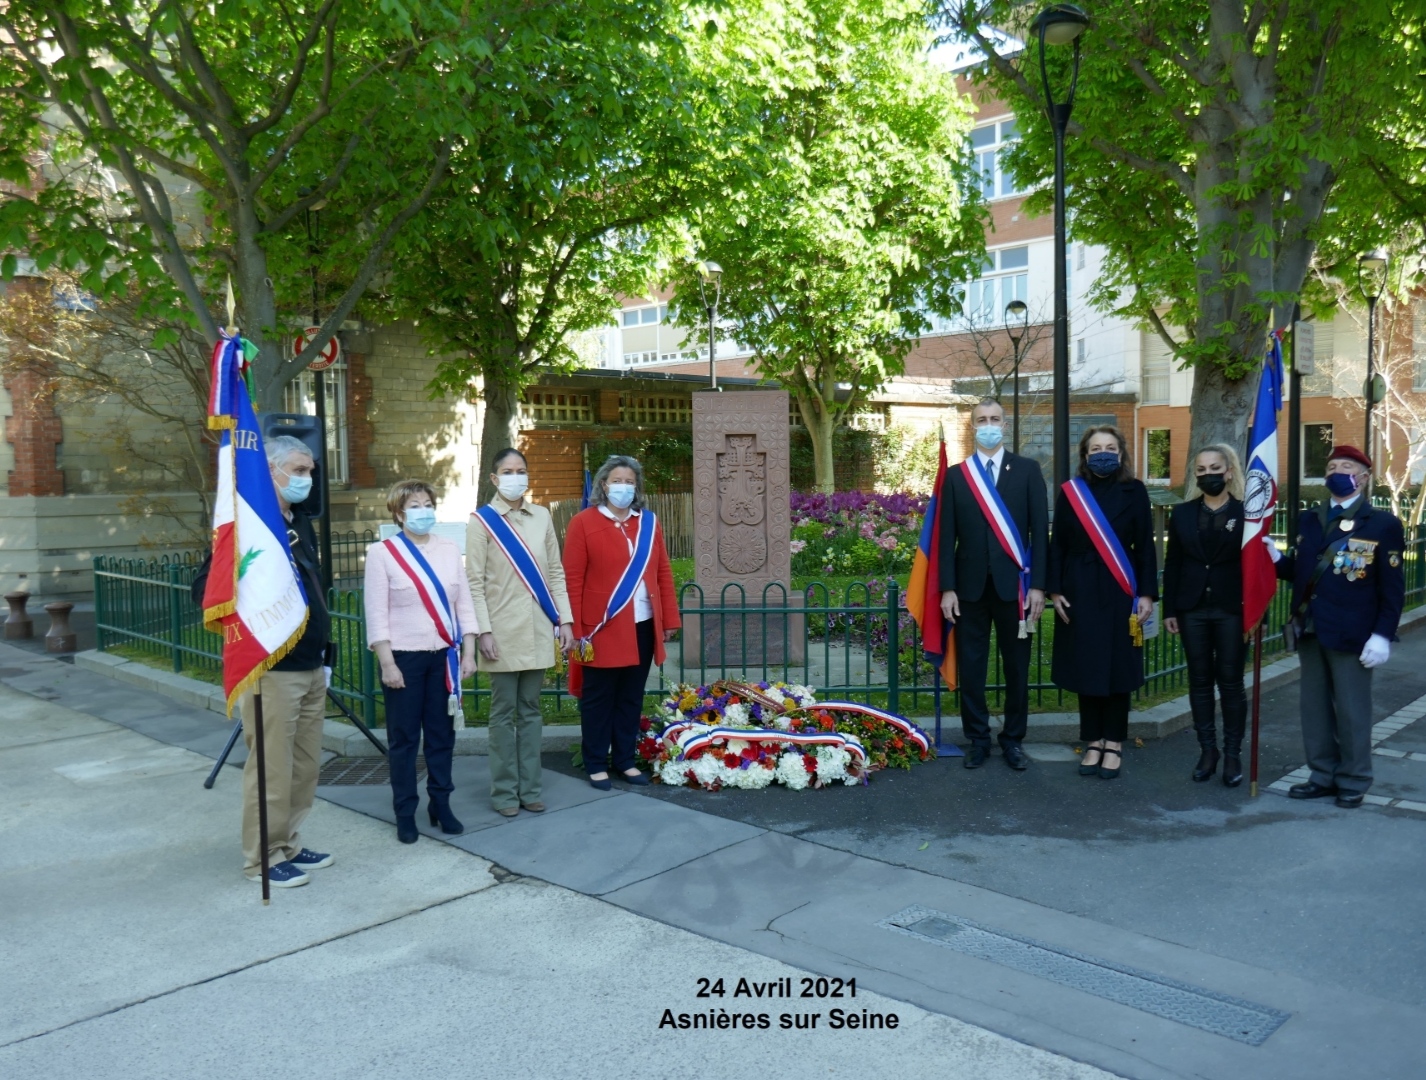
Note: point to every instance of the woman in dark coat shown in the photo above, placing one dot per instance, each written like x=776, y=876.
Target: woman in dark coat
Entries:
x=1203, y=601
x=1095, y=655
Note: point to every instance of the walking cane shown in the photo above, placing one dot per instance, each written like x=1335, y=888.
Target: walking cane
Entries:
x=1257, y=710
x=261, y=789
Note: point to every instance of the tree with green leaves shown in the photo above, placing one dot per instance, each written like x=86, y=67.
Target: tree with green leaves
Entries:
x=1215, y=146
x=863, y=223
x=162, y=147
x=543, y=223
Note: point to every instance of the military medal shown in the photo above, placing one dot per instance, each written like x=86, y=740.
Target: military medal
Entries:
x=1346, y=524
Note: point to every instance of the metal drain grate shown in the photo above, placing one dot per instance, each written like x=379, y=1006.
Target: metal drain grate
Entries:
x=1207, y=1010
x=350, y=771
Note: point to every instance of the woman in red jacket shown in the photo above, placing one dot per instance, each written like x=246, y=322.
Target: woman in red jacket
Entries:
x=621, y=594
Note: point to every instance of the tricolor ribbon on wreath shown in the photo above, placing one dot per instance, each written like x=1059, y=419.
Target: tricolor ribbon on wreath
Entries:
x=627, y=585
x=1106, y=542
x=1002, y=527
x=438, y=607
x=691, y=735
x=522, y=559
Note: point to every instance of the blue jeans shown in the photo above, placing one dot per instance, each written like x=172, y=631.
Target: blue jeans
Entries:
x=419, y=707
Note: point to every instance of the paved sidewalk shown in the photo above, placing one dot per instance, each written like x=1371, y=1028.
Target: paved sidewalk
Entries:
x=1150, y=927
x=133, y=947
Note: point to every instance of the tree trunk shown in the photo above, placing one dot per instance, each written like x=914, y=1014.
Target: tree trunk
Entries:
x=820, y=425
x=501, y=425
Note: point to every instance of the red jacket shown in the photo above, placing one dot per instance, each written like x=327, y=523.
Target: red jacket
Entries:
x=595, y=557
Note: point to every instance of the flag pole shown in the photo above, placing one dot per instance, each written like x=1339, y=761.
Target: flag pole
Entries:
x=1257, y=710
x=261, y=789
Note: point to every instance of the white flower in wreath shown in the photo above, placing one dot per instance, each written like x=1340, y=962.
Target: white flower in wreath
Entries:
x=707, y=769
x=753, y=778
x=737, y=716
x=776, y=694
x=791, y=772
x=674, y=773
x=781, y=721
x=832, y=762
x=802, y=695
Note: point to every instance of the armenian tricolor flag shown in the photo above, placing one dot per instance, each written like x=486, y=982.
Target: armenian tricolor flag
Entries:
x=923, y=591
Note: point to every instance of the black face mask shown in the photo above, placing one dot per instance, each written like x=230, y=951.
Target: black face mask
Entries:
x=1212, y=483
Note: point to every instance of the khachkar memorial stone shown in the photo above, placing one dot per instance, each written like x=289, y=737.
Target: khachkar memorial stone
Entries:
x=741, y=525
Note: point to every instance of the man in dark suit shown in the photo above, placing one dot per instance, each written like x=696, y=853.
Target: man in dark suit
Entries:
x=1348, y=589
x=980, y=582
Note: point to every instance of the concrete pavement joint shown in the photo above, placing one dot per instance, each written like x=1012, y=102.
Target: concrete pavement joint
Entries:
x=244, y=967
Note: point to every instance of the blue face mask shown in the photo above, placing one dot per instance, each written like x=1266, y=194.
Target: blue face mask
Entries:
x=621, y=495
x=1342, y=484
x=297, y=489
x=1103, y=464
x=420, y=521
x=989, y=436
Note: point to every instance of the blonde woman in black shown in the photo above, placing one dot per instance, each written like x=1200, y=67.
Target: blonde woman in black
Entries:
x=1203, y=603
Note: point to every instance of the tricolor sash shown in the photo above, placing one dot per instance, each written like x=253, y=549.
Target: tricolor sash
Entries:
x=521, y=558
x=1002, y=527
x=1106, y=542
x=627, y=585
x=413, y=564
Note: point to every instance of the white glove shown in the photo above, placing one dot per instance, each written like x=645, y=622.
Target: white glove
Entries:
x=1273, y=552
x=1375, y=652
x=328, y=672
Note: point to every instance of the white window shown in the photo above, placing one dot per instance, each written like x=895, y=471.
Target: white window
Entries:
x=988, y=144
x=1158, y=455
x=1157, y=365
x=543, y=406
x=645, y=316
x=300, y=396
x=1418, y=345
x=1006, y=277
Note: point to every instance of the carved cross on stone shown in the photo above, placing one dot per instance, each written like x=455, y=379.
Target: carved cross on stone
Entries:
x=741, y=482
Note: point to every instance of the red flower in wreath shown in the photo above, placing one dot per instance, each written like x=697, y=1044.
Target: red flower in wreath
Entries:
x=645, y=723
x=731, y=760
x=749, y=753
x=809, y=762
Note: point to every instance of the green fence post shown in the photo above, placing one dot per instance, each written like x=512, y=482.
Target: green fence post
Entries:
x=893, y=648
x=1420, y=560
x=175, y=614
x=368, y=687
x=99, y=604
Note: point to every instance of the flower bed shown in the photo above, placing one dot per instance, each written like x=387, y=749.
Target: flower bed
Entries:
x=746, y=735
x=854, y=532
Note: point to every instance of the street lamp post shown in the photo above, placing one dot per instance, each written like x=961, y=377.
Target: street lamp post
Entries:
x=711, y=274
x=1017, y=321
x=1060, y=24
x=1371, y=277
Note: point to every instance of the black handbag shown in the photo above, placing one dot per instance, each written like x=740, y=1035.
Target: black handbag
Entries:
x=1293, y=628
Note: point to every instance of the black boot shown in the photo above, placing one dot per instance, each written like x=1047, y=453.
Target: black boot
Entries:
x=1232, y=766
x=440, y=808
x=1207, y=763
x=406, y=830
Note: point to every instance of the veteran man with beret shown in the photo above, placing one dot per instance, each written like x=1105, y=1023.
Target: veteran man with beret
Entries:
x=1347, y=593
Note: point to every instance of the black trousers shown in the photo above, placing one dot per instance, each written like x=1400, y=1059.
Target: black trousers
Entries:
x=973, y=663
x=420, y=707
x=1105, y=717
x=610, y=706
x=1214, y=649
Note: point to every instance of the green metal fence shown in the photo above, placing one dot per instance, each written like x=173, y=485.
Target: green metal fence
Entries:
x=853, y=641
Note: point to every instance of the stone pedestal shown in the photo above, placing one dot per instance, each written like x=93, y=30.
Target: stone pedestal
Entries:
x=741, y=523
x=60, y=638
x=18, y=623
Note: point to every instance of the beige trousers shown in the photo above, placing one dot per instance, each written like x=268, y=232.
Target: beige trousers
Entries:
x=293, y=704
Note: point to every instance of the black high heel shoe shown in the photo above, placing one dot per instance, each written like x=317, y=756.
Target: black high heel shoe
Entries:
x=1091, y=768
x=441, y=815
x=1110, y=774
x=1207, y=765
x=406, y=830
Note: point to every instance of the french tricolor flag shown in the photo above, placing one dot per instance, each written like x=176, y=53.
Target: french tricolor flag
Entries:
x=1260, y=500
x=254, y=597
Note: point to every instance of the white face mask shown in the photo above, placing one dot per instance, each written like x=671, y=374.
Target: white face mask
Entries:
x=512, y=485
x=621, y=495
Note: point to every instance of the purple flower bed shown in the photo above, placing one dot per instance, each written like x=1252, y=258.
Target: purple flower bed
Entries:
x=829, y=509
x=854, y=532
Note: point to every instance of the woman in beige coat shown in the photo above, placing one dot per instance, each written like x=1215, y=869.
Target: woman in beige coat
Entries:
x=522, y=623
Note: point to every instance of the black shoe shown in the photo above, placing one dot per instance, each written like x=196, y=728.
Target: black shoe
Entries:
x=603, y=785
x=1310, y=790
x=1349, y=800
x=1015, y=757
x=975, y=757
x=636, y=778
x=1207, y=765
x=441, y=815
x=1110, y=774
x=1232, y=770
x=406, y=830
x=1091, y=768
